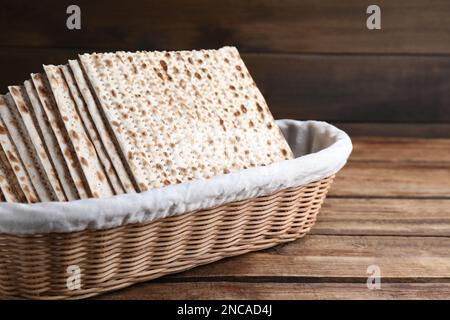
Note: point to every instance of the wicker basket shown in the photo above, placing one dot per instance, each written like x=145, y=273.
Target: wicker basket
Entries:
x=36, y=266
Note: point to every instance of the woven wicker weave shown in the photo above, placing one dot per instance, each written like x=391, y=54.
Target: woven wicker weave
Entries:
x=36, y=266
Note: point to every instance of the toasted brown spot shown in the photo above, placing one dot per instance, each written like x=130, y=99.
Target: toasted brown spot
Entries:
x=238, y=68
x=113, y=93
x=225, y=170
x=115, y=123
x=130, y=59
x=178, y=181
x=2, y=130
x=65, y=118
x=42, y=91
x=243, y=108
x=258, y=107
x=269, y=126
x=101, y=176
x=142, y=186
x=130, y=155
x=190, y=60
x=232, y=87
x=235, y=148
x=53, y=79
x=197, y=75
x=158, y=166
x=15, y=91
x=163, y=65
x=108, y=63
x=237, y=113
x=247, y=152
x=84, y=162
x=134, y=69
x=284, y=152
x=11, y=157
x=16, y=168
x=144, y=65
x=160, y=75
x=172, y=145
x=74, y=135
x=251, y=124
x=166, y=182
x=23, y=107
x=69, y=154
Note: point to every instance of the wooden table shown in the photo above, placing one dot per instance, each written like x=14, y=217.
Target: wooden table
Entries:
x=390, y=207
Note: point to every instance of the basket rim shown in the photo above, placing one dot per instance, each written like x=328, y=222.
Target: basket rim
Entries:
x=323, y=151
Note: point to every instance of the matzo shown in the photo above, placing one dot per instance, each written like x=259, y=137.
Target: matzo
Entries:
x=51, y=111
x=85, y=152
x=14, y=160
x=120, y=118
x=9, y=185
x=103, y=130
x=91, y=131
x=184, y=115
x=26, y=150
x=24, y=108
x=51, y=144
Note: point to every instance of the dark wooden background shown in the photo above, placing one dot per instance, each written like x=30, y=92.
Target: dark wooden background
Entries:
x=312, y=59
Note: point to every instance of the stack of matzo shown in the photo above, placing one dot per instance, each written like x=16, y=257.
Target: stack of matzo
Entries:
x=114, y=123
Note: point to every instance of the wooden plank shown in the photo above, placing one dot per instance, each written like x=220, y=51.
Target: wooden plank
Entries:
x=339, y=258
x=400, y=150
x=391, y=179
x=411, y=217
x=275, y=291
x=424, y=130
x=295, y=86
x=335, y=26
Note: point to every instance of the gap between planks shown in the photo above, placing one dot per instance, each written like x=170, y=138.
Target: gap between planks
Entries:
x=294, y=291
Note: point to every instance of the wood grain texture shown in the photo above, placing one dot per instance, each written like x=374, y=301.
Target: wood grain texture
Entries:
x=280, y=291
x=356, y=88
x=257, y=25
x=337, y=257
x=401, y=150
x=403, y=217
x=392, y=180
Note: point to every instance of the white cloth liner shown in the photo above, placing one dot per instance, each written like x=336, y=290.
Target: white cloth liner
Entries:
x=320, y=150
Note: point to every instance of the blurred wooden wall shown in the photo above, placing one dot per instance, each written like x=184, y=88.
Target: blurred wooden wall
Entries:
x=312, y=59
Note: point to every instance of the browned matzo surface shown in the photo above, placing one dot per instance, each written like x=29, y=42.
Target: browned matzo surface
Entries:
x=179, y=116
